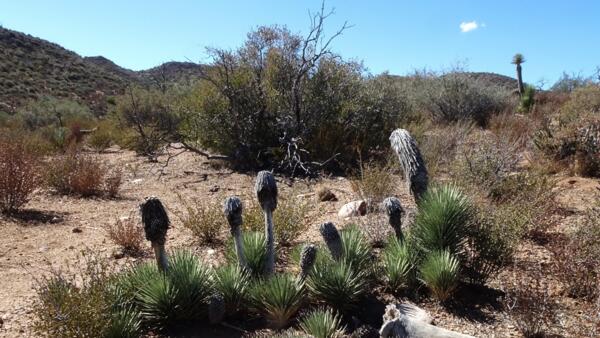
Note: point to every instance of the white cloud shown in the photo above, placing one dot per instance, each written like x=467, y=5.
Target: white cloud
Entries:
x=467, y=26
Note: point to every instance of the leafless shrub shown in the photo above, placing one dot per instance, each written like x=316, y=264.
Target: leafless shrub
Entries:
x=374, y=183
x=19, y=174
x=128, y=234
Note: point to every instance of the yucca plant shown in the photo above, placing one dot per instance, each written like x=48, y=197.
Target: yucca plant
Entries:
x=255, y=251
x=440, y=273
x=169, y=299
x=322, y=323
x=398, y=264
x=356, y=250
x=338, y=284
x=444, y=214
x=277, y=298
x=232, y=282
x=124, y=323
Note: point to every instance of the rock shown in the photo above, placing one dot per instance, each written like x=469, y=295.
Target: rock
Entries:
x=352, y=209
x=409, y=321
x=1, y=322
x=77, y=230
x=137, y=181
x=214, y=188
x=326, y=195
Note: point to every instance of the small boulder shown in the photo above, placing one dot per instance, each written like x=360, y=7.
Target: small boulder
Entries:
x=352, y=209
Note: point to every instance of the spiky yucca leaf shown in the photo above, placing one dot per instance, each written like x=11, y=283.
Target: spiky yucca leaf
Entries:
x=277, y=298
x=255, y=250
x=173, y=298
x=338, y=284
x=440, y=272
x=233, y=283
x=444, y=214
x=356, y=250
x=322, y=323
x=398, y=264
x=124, y=324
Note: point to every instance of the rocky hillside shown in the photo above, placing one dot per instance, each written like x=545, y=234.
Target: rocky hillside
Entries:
x=31, y=67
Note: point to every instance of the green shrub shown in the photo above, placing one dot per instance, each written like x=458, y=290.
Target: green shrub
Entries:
x=440, y=272
x=204, y=219
x=527, y=99
x=338, y=284
x=289, y=219
x=277, y=298
x=233, y=283
x=255, y=252
x=444, y=215
x=398, y=264
x=322, y=323
x=124, y=324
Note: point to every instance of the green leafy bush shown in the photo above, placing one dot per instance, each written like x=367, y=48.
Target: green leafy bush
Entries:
x=277, y=298
x=322, y=323
x=440, y=273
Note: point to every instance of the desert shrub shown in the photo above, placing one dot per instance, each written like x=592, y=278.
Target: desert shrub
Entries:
x=269, y=111
x=47, y=111
x=440, y=143
x=442, y=222
x=374, y=182
x=204, y=219
x=84, y=175
x=82, y=303
x=398, y=265
x=233, y=283
x=568, y=83
x=106, y=134
x=255, y=251
x=127, y=234
x=322, y=323
x=514, y=129
x=338, y=284
x=289, y=219
x=456, y=96
x=527, y=100
x=166, y=301
x=20, y=168
x=577, y=261
x=150, y=115
x=277, y=298
x=440, y=272
x=484, y=160
x=530, y=307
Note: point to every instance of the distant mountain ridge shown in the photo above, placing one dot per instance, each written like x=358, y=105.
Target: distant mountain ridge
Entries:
x=31, y=67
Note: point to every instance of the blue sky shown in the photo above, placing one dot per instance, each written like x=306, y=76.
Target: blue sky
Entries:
x=394, y=36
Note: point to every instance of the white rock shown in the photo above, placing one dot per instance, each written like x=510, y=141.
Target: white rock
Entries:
x=352, y=209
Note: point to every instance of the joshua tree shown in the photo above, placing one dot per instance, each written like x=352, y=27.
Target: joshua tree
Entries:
x=517, y=60
x=412, y=163
x=332, y=239
x=266, y=192
x=307, y=260
x=233, y=212
x=394, y=210
x=156, y=222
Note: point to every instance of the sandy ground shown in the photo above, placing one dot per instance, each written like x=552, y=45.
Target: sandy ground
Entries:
x=55, y=229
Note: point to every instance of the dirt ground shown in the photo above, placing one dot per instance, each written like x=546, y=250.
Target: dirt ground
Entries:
x=53, y=231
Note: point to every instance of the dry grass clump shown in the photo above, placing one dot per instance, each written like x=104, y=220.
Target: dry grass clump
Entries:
x=19, y=174
x=374, y=182
x=85, y=175
x=204, y=218
x=128, y=234
x=290, y=218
